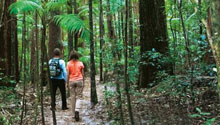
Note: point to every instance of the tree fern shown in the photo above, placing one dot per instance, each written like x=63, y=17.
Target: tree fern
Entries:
x=72, y=24
x=56, y=4
x=84, y=10
x=22, y=6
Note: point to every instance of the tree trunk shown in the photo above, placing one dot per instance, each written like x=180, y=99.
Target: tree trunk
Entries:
x=33, y=59
x=8, y=41
x=54, y=36
x=111, y=33
x=127, y=86
x=102, y=32
x=174, y=35
x=48, y=73
x=70, y=35
x=43, y=74
x=94, y=99
x=153, y=35
x=119, y=70
x=76, y=34
x=24, y=67
x=200, y=20
x=131, y=31
x=214, y=39
x=185, y=35
x=14, y=47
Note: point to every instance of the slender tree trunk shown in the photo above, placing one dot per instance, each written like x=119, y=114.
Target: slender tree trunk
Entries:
x=131, y=31
x=16, y=52
x=214, y=39
x=187, y=44
x=14, y=47
x=119, y=25
x=24, y=67
x=76, y=34
x=118, y=86
x=43, y=55
x=119, y=98
x=48, y=73
x=94, y=99
x=111, y=32
x=118, y=69
x=102, y=32
x=120, y=39
x=38, y=98
x=127, y=86
x=70, y=35
x=174, y=35
x=33, y=59
x=200, y=15
x=122, y=21
x=43, y=39
x=185, y=35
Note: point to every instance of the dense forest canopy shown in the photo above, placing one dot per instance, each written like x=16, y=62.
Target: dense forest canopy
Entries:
x=146, y=61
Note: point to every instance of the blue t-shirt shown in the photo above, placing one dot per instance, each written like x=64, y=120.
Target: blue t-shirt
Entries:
x=63, y=72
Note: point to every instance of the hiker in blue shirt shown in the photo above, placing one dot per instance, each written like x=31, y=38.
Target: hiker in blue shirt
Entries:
x=58, y=77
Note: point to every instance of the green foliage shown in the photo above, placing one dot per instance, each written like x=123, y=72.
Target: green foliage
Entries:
x=7, y=79
x=84, y=11
x=23, y=6
x=73, y=24
x=9, y=106
x=56, y=5
x=203, y=115
x=210, y=121
x=4, y=121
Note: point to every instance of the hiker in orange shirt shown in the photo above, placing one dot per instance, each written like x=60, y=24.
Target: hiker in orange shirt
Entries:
x=75, y=80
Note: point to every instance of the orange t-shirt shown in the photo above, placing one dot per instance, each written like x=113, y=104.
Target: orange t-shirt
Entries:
x=75, y=70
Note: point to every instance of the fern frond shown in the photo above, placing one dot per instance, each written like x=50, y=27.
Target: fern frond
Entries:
x=24, y=6
x=56, y=4
x=84, y=10
x=72, y=24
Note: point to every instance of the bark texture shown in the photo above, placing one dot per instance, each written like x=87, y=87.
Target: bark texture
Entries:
x=153, y=35
x=94, y=98
x=54, y=36
x=8, y=42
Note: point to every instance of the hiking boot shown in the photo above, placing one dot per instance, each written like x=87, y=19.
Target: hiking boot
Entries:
x=77, y=116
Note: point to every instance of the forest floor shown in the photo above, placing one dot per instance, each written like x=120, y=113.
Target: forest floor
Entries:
x=88, y=115
x=160, y=105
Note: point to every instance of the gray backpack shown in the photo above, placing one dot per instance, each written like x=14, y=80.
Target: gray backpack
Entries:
x=54, y=68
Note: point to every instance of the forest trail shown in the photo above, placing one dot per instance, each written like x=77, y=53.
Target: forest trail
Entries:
x=87, y=115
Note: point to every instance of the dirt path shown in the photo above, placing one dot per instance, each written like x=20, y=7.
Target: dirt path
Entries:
x=87, y=116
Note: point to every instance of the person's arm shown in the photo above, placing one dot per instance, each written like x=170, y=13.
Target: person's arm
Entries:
x=83, y=77
x=64, y=72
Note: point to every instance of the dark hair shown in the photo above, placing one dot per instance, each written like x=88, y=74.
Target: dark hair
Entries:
x=57, y=52
x=74, y=55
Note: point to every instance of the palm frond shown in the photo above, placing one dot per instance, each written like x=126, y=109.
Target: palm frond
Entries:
x=24, y=6
x=84, y=10
x=72, y=24
x=56, y=4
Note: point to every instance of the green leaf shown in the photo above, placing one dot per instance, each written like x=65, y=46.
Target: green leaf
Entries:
x=22, y=6
x=195, y=115
x=55, y=5
x=72, y=24
x=210, y=121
